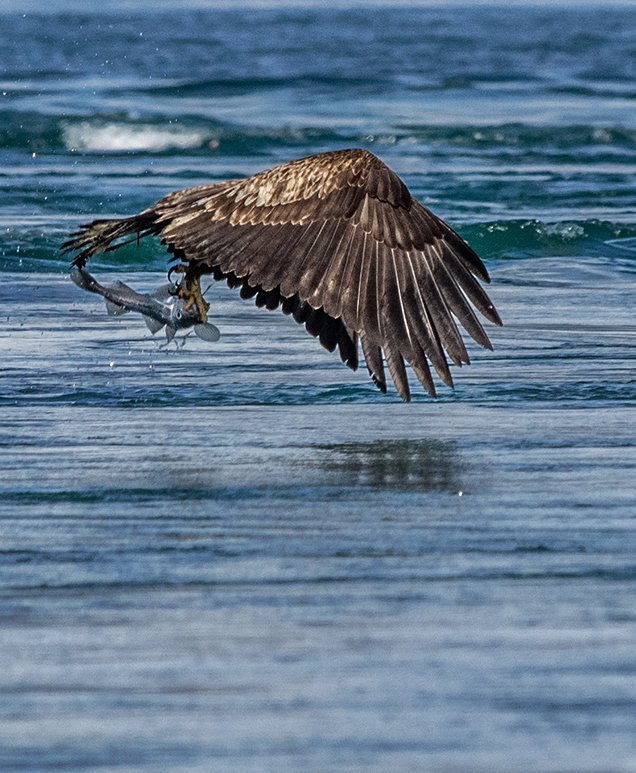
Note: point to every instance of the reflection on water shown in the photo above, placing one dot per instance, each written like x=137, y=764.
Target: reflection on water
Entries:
x=423, y=465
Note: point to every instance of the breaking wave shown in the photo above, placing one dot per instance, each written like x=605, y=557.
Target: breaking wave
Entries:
x=119, y=132
x=97, y=137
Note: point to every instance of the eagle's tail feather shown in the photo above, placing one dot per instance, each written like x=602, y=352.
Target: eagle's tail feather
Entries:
x=103, y=235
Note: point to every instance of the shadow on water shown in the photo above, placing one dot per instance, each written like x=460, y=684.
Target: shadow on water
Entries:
x=416, y=465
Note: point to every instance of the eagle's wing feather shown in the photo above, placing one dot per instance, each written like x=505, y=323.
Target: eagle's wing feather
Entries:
x=339, y=241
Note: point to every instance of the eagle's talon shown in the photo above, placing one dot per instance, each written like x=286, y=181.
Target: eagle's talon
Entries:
x=191, y=295
x=180, y=268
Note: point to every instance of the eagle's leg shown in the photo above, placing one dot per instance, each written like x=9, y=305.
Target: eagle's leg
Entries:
x=191, y=294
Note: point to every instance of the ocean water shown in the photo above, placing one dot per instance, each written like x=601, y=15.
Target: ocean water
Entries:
x=240, y=557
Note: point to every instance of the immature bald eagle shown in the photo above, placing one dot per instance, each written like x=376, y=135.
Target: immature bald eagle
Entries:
x=338, y=242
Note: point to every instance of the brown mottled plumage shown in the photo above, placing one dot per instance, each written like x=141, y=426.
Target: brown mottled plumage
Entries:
x=337, y=241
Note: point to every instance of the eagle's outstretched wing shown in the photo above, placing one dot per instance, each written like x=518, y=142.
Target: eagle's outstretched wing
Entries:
x=337, y=240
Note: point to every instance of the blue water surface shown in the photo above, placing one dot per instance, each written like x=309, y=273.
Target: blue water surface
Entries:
x=241, y=557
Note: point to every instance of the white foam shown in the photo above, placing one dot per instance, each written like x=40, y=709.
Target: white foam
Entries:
x=120, y=137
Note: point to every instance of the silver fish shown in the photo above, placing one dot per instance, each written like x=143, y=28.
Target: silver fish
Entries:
x=160, y=308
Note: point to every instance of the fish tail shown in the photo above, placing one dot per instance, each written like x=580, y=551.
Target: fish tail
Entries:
x=207, y=331
x=103, y=235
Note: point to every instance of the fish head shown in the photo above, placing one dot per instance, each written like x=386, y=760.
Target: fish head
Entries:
x=180, y=317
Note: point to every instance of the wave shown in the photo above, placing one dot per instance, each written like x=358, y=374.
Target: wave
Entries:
x=113, y=137
x=229, y=392
x=93, y=137
x=584, y=90
x=120, y=132
x=533, y=139
x=27, y=249
x=514, y=239
x=116, y=133
x=238, y=86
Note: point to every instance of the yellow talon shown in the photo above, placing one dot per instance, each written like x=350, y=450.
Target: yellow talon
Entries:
x=191, y=294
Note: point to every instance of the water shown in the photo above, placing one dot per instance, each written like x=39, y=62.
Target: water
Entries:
x=242, y=557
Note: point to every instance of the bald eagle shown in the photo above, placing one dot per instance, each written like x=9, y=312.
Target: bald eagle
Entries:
x=337, y=241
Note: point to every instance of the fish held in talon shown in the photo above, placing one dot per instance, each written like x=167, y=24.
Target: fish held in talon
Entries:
x=336, y=241
x=161, y=308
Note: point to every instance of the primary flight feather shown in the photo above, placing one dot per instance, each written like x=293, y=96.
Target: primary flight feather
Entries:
x=337, y=241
